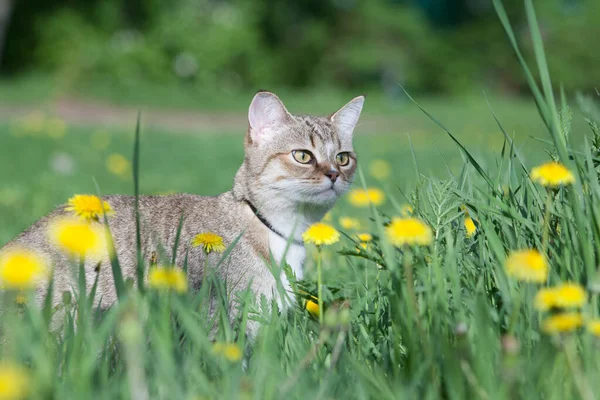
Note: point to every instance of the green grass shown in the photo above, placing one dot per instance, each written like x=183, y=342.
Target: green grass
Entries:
x=443, y=320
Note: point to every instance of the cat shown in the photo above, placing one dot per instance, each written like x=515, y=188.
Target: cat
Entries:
x=294, y=170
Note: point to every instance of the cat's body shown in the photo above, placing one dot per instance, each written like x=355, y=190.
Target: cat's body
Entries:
x=294, y=170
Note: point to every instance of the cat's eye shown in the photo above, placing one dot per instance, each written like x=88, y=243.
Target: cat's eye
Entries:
x=302, y=156
x=342, y=159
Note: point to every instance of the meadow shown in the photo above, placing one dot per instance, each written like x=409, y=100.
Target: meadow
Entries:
x=492, y=294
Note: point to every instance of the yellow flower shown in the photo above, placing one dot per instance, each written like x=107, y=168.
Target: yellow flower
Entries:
x=362, y=198
x=209, y=241
x=470, y=226
x=230, y=351
x=552, y=174
x=321, y=234
x=563, y=322
x=21, y=269
x=364, y=237
x=349, y=223
x=78, y=238
x=88, y=207
x=13, y=382
x=406, y=210
x=593, y=327
x=409, y=231
x=312, y=307
x=118, y=164
x=567, y=295
x=527, y=265
x=21, y=298
x=327, y=217
x=380, y=169
x=168, y=278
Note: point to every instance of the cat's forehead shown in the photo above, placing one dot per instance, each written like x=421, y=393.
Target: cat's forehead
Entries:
x=316, y=130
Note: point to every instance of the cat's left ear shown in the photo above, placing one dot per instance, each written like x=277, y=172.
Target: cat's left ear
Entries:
x=345, y=118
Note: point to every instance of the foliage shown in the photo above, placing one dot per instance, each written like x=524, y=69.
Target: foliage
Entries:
x=241, y=44
x=434, y=321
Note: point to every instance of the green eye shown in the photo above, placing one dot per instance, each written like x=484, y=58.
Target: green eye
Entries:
x=302, y=156
x=342, y=159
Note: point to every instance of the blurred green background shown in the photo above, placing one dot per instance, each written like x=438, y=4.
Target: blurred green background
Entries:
x=74, y=73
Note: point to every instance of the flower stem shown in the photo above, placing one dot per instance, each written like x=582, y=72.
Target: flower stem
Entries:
x=319, y=285
x=546, y=227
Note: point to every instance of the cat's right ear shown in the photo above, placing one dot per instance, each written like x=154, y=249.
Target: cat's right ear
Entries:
x=266, y=112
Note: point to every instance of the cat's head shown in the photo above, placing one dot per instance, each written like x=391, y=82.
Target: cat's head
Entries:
x=303, y=159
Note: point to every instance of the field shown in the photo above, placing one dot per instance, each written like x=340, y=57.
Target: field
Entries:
x=491, y=293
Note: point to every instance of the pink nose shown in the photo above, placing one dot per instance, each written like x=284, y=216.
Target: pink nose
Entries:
x=332, y=174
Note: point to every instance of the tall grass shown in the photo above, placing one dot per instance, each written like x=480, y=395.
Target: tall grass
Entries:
x=458, y=328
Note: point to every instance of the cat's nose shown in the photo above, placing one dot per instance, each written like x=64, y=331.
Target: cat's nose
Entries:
x=332, y=174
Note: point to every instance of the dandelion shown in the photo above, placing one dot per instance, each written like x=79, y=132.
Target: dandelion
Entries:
x=363, y=198
x=313, y=307
x=380, y=169
x=527, y=265
x=118, y=164
x=409, y=231
x=327, y=217
x=88, y=207
x=593, y=327
x=563, y=322
x=21, y=269
x=364, y=237
x=567, y=295
x=78, y=238
x=552, y=174
x=209, y=241
x=470, y=227
x=168, y=278
x=321, y=234
x=349, y=223
x=230, y=351
x=13, y=382
x=406, y=210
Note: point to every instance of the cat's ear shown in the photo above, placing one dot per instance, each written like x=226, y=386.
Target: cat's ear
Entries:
x=345, y=118
x=266, y=112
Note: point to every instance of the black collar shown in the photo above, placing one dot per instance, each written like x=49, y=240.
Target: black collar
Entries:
x=271, y=228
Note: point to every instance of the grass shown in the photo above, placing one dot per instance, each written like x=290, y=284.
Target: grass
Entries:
x=443, y=320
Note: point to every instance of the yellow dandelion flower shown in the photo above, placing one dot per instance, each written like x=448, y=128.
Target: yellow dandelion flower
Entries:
x=312, y=307
x=327, y=217
x=552, y=174
x=563, y=322
x=470, y=227
x=230, y=351
x=567, y=295
x=21, y=298
x=21, y=269
x=78, y=238
x=88, y=207
x=364, y=237
x=380, y=169
x=527, y=265
x=406, y=210
x=593, y=327
x=168, y=278
x=13, y=382
x=118, y=164
x=349, y=223
x=209, y=241
x=363, y=198
x=408, y=231
x=321, y=234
